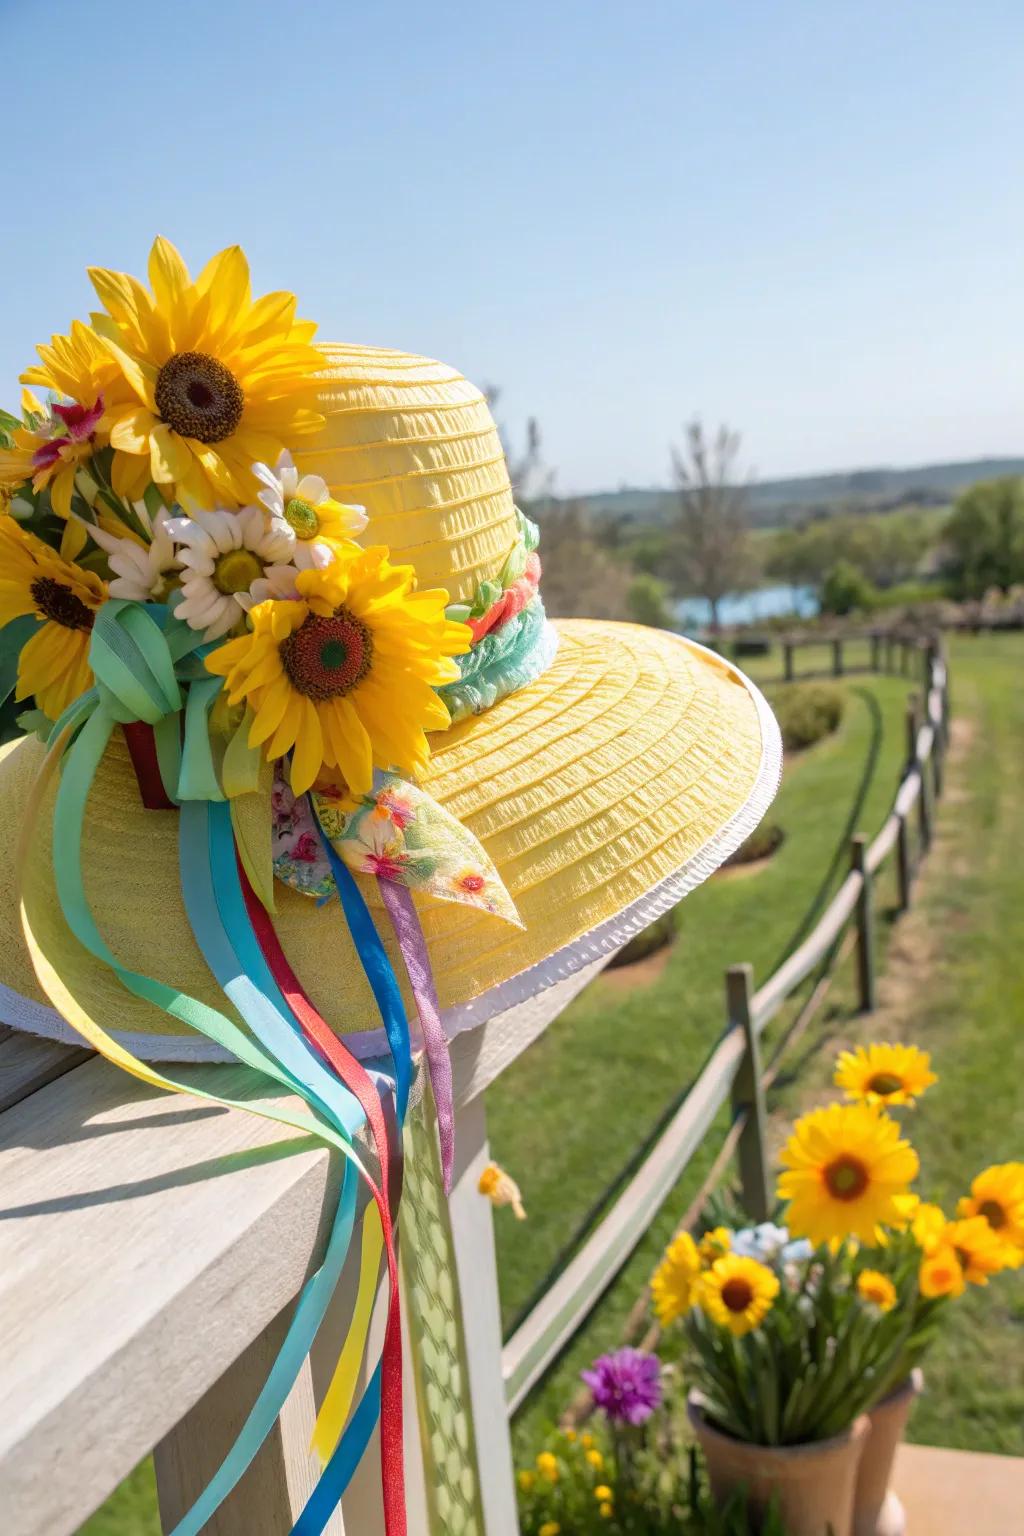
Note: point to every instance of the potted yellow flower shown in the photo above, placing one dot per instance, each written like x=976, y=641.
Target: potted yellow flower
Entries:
x=802, y=1341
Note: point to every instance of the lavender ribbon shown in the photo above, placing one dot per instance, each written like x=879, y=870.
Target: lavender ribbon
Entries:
x=398, y=904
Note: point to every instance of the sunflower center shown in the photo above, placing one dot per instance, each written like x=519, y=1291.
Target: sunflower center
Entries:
x=963, y=1258
x=884, y=1083
x=199, y=397
x=236, y=571
x=846, y=1177
x=737, y=1294
x=57, y=602
x=302, y=516
x=327, y=658
x=993, y=1213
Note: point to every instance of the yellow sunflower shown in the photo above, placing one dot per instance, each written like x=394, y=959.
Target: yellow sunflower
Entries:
x=344, y=676
x=54, y=663
x=78, y=367
x=737, y=1293
x=997, y=1194
x=877, y=1288
x=673, y=1285
x=845, y=1166
x=941, y=1273
x=206, y=380
x=885, y=1074
x=979, y=1249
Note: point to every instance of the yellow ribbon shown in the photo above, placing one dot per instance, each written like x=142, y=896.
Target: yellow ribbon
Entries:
x=335, y=1407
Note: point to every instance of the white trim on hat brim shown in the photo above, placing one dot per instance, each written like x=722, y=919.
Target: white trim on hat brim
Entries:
x=600, y=943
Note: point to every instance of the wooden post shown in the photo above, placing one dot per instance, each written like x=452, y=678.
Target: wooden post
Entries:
x=787, y=660
x=904, y=873
x=748, y=1096
x=905, y=658
x=876, y=650
x=924, y=811
x=837, y=656
x=890, y=645
x=865, y=928
x=913, y=726
x=271, y=1494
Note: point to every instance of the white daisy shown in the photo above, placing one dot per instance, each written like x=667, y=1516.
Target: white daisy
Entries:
x=143, y=573
x=230, y=560
x=303, y=505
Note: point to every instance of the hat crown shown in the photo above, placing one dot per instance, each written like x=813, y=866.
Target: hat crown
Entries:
x=414, y=443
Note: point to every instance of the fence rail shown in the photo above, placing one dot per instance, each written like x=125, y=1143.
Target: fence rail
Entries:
x=734, y=1070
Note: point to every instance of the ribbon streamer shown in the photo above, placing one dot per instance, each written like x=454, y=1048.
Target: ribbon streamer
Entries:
x=398, y=904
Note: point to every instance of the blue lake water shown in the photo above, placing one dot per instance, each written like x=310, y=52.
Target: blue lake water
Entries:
x=754, y=607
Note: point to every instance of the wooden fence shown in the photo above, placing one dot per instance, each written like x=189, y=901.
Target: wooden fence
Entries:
x=734, y=1070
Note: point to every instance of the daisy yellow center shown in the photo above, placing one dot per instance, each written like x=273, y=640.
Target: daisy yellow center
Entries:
x=199, y=397
x=884, y=1083
x=302, y=517
x=737, y=1294
x=55, y=601
x=236, y=571
x=327, y=658
x=993, y=1213
x=846, y=1177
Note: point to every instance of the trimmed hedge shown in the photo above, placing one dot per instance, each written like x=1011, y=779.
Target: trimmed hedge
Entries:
x=806, y=712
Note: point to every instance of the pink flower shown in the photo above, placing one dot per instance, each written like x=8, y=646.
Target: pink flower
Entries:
x=385, y=866
x=306, y=848
x=396, y=807
x=81, y=422
x=282, y=801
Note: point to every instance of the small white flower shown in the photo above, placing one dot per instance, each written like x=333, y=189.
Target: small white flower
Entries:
x=303, y=506
x=143, y=573
x=230, y=561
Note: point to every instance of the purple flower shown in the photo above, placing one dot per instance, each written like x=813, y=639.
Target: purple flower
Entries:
x=626, y=1385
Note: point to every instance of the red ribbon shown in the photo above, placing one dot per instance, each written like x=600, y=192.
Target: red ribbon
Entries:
x=142, y=750
x=358, y=1081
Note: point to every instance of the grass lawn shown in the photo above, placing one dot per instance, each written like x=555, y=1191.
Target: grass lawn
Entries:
x=598, y=1080
x=600, y=1077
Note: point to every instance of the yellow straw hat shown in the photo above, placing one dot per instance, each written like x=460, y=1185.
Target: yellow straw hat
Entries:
x=602, y=790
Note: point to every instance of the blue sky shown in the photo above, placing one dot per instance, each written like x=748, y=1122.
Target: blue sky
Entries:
x=806, y=218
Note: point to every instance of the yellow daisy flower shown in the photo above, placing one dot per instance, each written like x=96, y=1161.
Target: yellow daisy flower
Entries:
x=979, y=1249
x=603, y=1493
x=738, y=1293
x=549, y=1528
x=998, y=1195
x=674, y=1280
x=845, y=1164
x=714, y=1243
x=885, y=1074
x=345, y=674
x=941, y=1273
x=606, y=1510
x=547, y=1466
x=877, y=1288
x=215, y=380
x=54, y=663
x=526, y=1479
x=928, y=1226
x=595, y=1459
x=79, y=367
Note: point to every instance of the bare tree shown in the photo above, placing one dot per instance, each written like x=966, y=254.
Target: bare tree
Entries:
x=710, y=545
x=531, y=479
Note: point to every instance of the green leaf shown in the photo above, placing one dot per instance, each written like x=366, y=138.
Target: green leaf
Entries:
x=13, y=638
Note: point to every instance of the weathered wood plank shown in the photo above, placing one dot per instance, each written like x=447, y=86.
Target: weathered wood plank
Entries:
x=183, y=1230
x=28, y=1063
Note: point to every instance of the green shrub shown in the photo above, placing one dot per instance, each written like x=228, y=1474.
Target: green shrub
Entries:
x=806, y=712
x=752, y=645
x=846, y=588
x=647, y=602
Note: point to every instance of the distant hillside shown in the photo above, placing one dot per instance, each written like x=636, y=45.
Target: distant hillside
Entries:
x=803, y=496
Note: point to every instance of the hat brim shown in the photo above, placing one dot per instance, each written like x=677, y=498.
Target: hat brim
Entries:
x=604, y=792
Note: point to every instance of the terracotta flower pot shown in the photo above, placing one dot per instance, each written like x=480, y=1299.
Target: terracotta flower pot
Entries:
x=877, y=1511
x=813, y=1484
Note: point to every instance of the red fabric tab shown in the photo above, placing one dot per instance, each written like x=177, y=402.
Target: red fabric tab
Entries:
x=142, y=750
